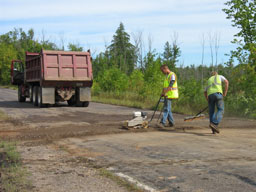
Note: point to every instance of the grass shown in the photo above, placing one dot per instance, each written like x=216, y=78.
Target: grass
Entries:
x=116, y=101
x=126, y=99
x=12, y=175
x=3, y=116
x=121, y=182
x=233, y=107
x=136, y=101
x=13, y=87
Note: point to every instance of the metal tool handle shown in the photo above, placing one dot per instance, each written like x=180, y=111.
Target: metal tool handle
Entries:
x=161, y=110
x=202, y=111
x=156, y=108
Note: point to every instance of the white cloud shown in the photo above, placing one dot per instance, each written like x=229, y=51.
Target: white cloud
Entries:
x=15, y=9
x=94, y=22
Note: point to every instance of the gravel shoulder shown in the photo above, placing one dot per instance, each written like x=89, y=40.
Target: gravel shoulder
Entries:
x=53, y=169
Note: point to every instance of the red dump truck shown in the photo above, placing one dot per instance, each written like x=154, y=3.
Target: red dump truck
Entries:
x=52, y=76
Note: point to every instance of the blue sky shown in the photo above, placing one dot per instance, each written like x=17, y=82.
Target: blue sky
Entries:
x=92, y=24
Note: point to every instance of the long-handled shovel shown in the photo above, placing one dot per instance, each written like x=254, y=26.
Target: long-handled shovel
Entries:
x=197, y=116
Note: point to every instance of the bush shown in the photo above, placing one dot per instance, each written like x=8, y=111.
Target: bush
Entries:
x=113, y=80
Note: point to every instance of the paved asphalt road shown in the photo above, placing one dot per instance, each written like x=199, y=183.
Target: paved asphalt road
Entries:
x=166, y=160
x=177, y=161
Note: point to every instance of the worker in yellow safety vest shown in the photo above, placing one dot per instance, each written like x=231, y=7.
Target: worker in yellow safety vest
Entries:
x=214, y=95
x=170, y=91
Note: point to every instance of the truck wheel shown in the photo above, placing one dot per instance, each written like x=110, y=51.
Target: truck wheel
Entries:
x=82, y=104
x=20, y=97
x=31, y=94
x=78, y=102
x=71, y=101
x=39, y=97
x=35, y=97
x=86, y=104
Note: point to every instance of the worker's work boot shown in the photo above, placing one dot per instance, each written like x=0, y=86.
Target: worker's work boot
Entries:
x=213, y=131
x=214, y=128
x=170, y=124
x=161, y=125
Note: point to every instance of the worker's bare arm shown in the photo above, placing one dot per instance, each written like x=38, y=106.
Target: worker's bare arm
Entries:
x=206, y=96
x=226, y=88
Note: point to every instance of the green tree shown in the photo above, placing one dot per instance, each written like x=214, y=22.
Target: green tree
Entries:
x=136, y=80
x=99, y=64
x=152, y=75
x=7, y=54
x=171, y=54
x=242, y=14
x=14, y=44
x=74, y=47
x=122, y=53
x=113, y=80
x=23, y=42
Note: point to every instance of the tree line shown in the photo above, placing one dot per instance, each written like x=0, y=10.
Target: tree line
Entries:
x=125, y=74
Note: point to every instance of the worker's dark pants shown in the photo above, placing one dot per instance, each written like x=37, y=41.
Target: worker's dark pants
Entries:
x=167, y=114
x=216, y=100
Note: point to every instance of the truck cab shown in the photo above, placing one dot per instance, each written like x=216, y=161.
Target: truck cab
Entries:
x=17, y=72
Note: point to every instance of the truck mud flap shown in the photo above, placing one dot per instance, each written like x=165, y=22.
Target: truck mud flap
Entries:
x=85, y=94
x=48, y=95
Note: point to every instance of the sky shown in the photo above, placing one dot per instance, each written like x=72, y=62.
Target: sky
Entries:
x=92, y=24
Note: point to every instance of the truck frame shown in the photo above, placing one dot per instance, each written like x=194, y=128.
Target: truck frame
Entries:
x=52, y=76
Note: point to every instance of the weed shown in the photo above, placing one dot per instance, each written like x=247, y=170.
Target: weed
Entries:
x=13, y=87
x=13, y=176
x=3, y=116
x=119, y=181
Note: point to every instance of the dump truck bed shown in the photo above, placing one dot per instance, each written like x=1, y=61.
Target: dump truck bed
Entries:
x=58, y=66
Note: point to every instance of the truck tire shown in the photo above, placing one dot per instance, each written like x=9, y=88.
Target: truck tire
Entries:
x=78, y=102
x=86, y=104
x=82, y=104
x=31, y=94
x=71, y=101
x=20, y=97
x=39, y=98
x=35, y=97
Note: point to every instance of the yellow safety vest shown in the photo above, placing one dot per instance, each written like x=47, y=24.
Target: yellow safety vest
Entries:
x=173, y=93
x=214, y=85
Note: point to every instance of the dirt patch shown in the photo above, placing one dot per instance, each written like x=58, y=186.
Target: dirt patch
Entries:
x=77, y=124
x=66, y=131
x=91, y=118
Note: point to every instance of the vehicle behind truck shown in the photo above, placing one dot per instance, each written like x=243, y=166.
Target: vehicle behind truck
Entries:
x=52, y=76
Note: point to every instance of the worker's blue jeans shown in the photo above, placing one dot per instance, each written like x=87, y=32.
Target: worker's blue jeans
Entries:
x=216, y=99
x=167, y=113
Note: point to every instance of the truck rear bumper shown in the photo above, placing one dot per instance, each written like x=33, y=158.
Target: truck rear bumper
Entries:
x=66, y=83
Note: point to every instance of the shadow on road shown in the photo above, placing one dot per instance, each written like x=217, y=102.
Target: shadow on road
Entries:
x=16, y=104
x=243, y=178
x=184, y=130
